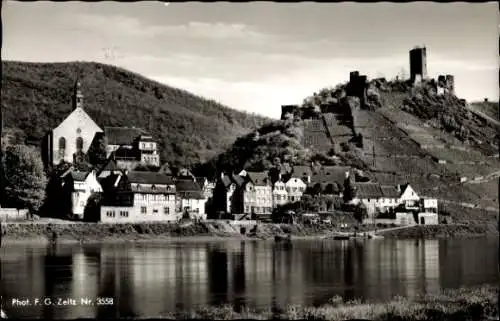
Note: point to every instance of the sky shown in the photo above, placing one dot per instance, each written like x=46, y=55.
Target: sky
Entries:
x=257, y=56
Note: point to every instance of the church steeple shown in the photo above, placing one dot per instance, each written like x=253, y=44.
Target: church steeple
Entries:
x=77, y=95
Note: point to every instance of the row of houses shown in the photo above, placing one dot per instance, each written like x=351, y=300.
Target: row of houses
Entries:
x=258, y=193
x=135, y=196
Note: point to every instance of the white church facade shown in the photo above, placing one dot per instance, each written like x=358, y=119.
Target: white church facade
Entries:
x=73, y=135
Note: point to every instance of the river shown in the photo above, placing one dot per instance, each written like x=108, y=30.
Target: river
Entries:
x=148, y=280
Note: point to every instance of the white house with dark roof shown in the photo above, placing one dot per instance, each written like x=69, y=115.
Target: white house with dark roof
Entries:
x=190, y=198
x=138, y=197
x=257, y=194
x=408, y=197
x=84, y=185
x=295, y=188
x=368, y=194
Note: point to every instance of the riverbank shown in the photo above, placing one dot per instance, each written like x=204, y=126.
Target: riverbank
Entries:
x=479, y=303
x=443, y=231
x=41, y=232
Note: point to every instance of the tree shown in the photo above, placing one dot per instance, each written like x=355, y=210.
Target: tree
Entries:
x=349, y=191
x=91, y=212
x=97, y=150
x=25, y=179
x=360, y=212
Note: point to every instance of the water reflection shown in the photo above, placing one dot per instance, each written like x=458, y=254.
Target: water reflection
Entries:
x=149, y=280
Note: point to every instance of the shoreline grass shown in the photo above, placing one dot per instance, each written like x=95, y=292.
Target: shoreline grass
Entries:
x=478, y=303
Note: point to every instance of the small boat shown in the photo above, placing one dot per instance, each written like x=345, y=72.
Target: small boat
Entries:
x=341, y=236
x=375, y=236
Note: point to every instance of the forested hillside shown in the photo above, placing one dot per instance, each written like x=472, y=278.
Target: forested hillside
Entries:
x=37, y=97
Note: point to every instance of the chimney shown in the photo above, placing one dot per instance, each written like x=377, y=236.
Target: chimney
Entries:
x=279, y=176
x=222, y=175
x=347, y=174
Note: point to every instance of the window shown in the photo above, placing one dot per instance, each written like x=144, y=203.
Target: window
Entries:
x=166, y=210
x=110, y=213
x=62, y=143
x=79, y=143
x=155, y=211
x=124, y=213
x=143, y=210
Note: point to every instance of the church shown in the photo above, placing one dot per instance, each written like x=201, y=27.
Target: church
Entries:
x=72, y=138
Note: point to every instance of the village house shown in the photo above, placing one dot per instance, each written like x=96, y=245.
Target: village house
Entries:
x=73, y=136
x=295, y=188
x=131, y=147
x=138, y=197
x=389, y=199
x=370, y=195
x=223, y=194
x=408, y=197
x=280, y=195
x=207, y=187
x=81, y=185
x=190, y=198
x=429, y=205
x=257, y=193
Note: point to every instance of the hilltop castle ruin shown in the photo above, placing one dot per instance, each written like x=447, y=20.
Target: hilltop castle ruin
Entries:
x=359, y=84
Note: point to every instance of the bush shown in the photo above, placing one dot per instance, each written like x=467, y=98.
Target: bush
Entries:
x=25, y=177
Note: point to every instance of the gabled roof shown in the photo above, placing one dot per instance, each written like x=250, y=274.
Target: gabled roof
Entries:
x=300, y=171
x=187, y=185
x=77, y=176
x=390, y=192
x=187, y=188
x=330, y=174
x=258, y=178
x=122, y=135
x=368, y=190
x=149, y=178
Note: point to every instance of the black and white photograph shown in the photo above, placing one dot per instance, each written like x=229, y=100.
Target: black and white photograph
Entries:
x=249, y=160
